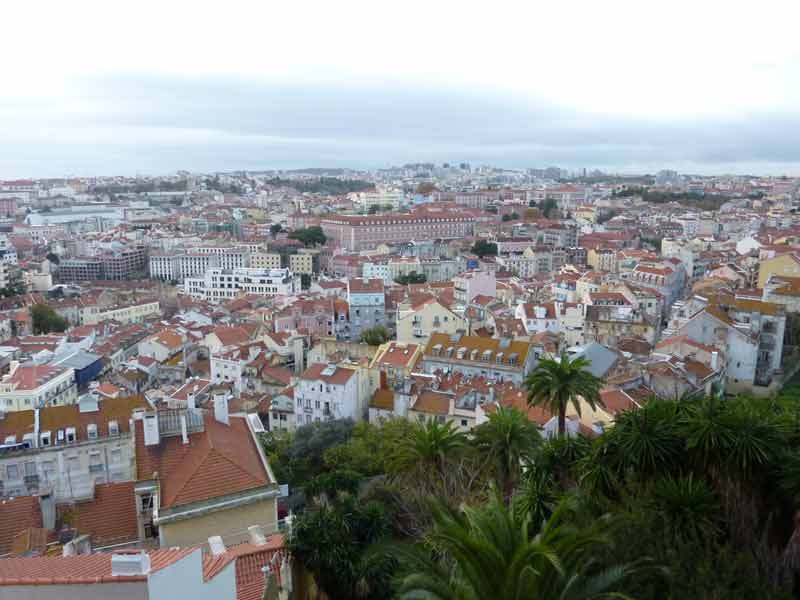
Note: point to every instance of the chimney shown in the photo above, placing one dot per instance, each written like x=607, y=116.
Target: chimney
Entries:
x=184, y=432
x=221, y=408
x=257, y=536
x=216, y=545
x=127, y=562
x=150, y=425
x=190, y=402
x=714, y=360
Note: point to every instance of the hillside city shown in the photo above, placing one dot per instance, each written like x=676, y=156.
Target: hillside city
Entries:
x=240, y=384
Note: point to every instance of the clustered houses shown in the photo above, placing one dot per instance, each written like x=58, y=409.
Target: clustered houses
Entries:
x=134, y=423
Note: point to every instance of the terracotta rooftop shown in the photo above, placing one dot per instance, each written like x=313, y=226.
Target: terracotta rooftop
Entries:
x=81, y=569
x=232, y=336
x=109, y=518
x=30, y=377
x=382, y=399
x=340, y=375
x=250, y=559
x=433, y=402
x=219, y=461
x=16, y=515
x=365, y=286
x=398, y=355
x=54, y=418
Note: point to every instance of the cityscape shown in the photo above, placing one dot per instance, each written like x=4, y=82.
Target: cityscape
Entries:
x=431, y=301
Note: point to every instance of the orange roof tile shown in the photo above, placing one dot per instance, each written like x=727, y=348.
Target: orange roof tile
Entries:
x=219, y=461
x=16, y=515
x=81, y=569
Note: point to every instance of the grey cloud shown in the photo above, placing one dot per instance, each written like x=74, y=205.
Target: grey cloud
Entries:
x=253, y=126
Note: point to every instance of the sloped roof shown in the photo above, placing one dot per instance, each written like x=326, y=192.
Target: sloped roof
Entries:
x=16, y=515
x=216, y=462
x=81, y=569
x=109, y=518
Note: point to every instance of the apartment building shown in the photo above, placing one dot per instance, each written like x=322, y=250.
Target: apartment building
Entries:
x=474, y=356
x=367, y=305
x=125, y=315
x=750, y=334
x=419, y=318
x=356, y=233
x=265, y=260
x=67, y=450
x=473, y=283
x=218, y=285
x=30, y=386
x=200, y=475
x=325, y=392
x=119, y=265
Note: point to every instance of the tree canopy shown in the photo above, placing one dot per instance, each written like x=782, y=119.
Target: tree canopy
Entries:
x=375, y=336
x=45, y=319
x=484, y=248
x=412, y=277
x=310, y=236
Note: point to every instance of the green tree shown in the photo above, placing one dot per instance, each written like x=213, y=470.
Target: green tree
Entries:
x=45, y=319
x=333, y=541
x=557, y=383
x=510, y=217
x=483, y=248
x=429, y=447
x=412, y=277
x=494, y=552
x=275, y=229
x=375, y=336
x=548, y=207
x=310, y=236
x=508, y=439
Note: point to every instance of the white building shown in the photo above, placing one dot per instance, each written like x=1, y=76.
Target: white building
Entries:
x=218, y=285
x=30, y=386
x=326, y=392
x=381, y=200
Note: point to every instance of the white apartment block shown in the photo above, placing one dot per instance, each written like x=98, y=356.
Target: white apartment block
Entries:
x=179, y=266
x=26, y=387
x=134, y=313
x=218, y=285
x=326, y=392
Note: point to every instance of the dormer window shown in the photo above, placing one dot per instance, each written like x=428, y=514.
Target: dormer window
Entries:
x=91, y=431
x=46, y=439
x=113, y=428
x=71, y=437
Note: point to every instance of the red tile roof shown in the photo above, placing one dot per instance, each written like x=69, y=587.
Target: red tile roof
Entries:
x=16, y=515
x=110, y=518
x=30, y=377
x=340, y=375
x=216, y=462
x=82, y=569
x=249, y=561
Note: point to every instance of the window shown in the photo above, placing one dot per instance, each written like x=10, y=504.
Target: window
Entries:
x=113, y=428
x=91, y=431
x=30, y=469
x=463, y=422
x=116, y=456
x=12, y=472
x=45, y=438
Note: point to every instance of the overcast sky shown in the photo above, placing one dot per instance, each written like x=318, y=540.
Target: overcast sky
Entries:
x=631, y=86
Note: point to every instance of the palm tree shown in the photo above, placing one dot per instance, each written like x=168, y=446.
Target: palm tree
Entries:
x=493, y=552
x=508, y=438
x=428, y=446
x=555, y=383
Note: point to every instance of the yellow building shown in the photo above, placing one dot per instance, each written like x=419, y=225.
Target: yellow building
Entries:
x=302, y=264
x=265, y=260
x=418, y=320
x=786, y=265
